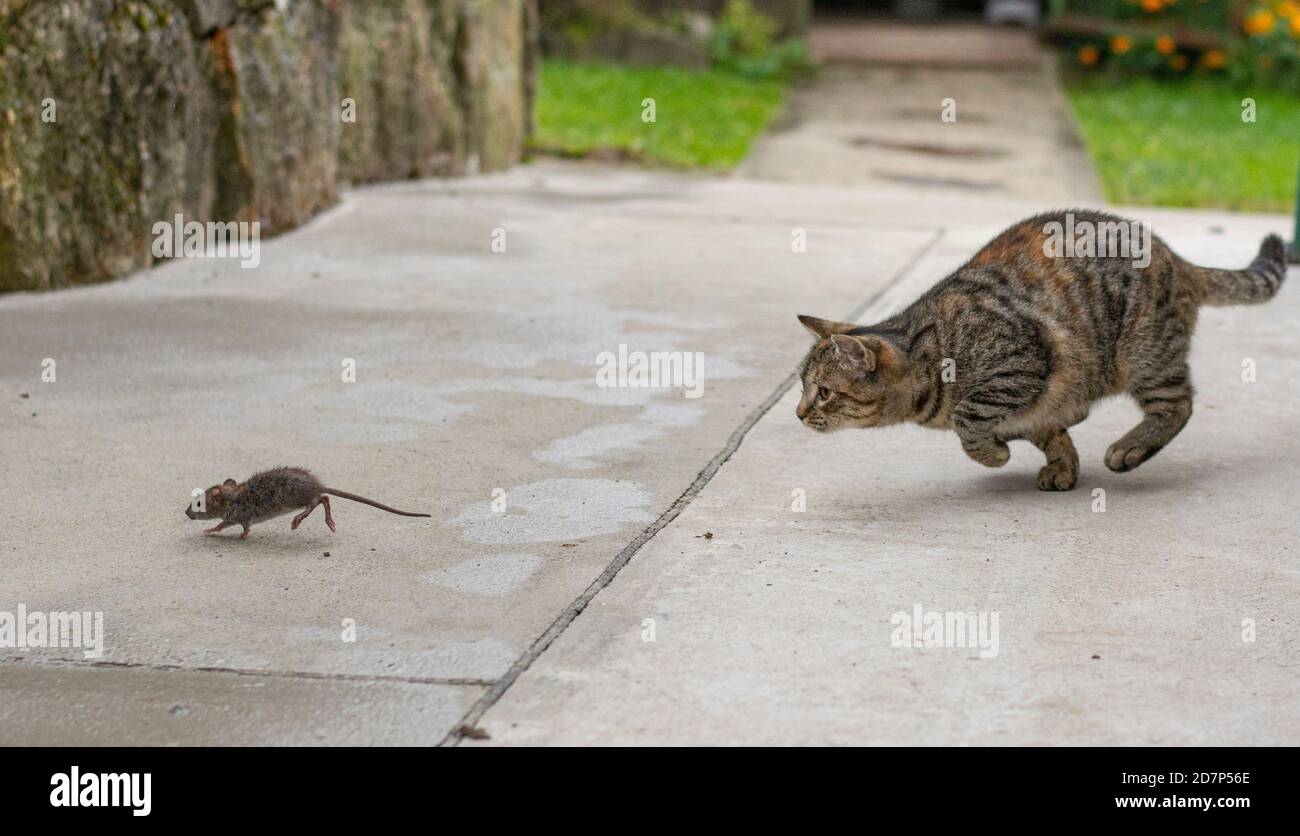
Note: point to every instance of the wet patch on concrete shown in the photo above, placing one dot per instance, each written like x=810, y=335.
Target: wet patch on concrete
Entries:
x=554, y=510
x=567, y=324
x=492, y=575
x=965, y=152
x=931, y=114
x=938, y=182
x=580, y=451
x=375, y=413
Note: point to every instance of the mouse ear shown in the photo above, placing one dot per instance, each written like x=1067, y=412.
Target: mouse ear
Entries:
x=229, y=483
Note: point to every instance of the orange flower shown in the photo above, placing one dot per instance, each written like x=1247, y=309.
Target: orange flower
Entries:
x=1152, y=6
x=1178, y=62
x=1287, y=8
x=1213, y=59
x=1121, y=44
x=1089, y=56
x=1260, y=22
x=1165, y=45
x=1295, y=26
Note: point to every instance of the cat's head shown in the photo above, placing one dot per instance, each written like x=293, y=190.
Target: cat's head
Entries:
x=851, y=380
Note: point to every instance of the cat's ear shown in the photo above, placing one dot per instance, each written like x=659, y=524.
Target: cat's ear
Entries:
x=823, y=328
x=854, y=356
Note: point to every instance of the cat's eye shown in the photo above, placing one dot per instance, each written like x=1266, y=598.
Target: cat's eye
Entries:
x=824, y=394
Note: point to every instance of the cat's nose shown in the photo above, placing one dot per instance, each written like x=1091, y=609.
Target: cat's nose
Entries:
x=801, y=411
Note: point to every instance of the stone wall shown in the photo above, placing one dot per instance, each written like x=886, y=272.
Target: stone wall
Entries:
x=115, y=115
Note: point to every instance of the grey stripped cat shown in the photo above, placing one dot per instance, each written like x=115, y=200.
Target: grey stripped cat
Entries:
x=1032, y=339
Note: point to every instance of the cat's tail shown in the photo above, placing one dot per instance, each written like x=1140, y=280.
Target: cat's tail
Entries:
x=1257, y=283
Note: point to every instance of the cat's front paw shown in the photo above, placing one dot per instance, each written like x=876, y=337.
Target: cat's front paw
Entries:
x=990, y=453
x=1058, y=476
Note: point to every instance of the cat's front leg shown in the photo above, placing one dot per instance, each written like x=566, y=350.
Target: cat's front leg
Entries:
x=974, y=422
x=988, y=450
x=1062, y=469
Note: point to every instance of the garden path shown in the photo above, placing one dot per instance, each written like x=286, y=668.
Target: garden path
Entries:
x=956, y=107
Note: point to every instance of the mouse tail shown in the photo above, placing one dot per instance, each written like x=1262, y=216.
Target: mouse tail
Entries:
x=370, y=502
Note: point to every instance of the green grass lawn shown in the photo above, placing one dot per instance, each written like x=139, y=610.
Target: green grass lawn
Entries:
x=1184, y=143
x=702, y=120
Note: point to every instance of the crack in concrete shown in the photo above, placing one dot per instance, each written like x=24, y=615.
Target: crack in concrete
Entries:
x=163, y=668
x=469, y=723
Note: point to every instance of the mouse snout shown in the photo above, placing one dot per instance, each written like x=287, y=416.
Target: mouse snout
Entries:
x=189, y=512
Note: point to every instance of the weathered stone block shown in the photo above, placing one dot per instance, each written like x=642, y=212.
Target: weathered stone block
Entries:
x=283, y=150
x=95, y=104
x=396, y=65
x=116, y=114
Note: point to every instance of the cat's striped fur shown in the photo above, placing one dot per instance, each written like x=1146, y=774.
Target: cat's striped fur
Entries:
x=1032, y=341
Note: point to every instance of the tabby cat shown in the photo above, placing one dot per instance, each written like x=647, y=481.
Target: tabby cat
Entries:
x=1019, y=342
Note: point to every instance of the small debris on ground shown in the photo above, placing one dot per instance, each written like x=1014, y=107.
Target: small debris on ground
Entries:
x=474, y=733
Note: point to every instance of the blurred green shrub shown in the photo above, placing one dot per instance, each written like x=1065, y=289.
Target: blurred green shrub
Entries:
x=743, y=41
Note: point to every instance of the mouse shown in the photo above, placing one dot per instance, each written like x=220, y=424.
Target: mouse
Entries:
x=269, y=494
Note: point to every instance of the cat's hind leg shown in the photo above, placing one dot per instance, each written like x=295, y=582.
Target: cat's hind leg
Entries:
x=1062, y=469
x=1165, y=396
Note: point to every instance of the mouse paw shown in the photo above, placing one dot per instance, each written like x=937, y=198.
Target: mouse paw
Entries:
x=330, y=523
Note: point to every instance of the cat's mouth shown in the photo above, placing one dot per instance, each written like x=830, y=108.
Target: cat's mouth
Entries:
x=825, y=425
x=820, y=425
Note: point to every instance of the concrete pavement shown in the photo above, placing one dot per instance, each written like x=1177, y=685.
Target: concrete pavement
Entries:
x=476, y=381
x=1121, y=607
x=965, y=108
